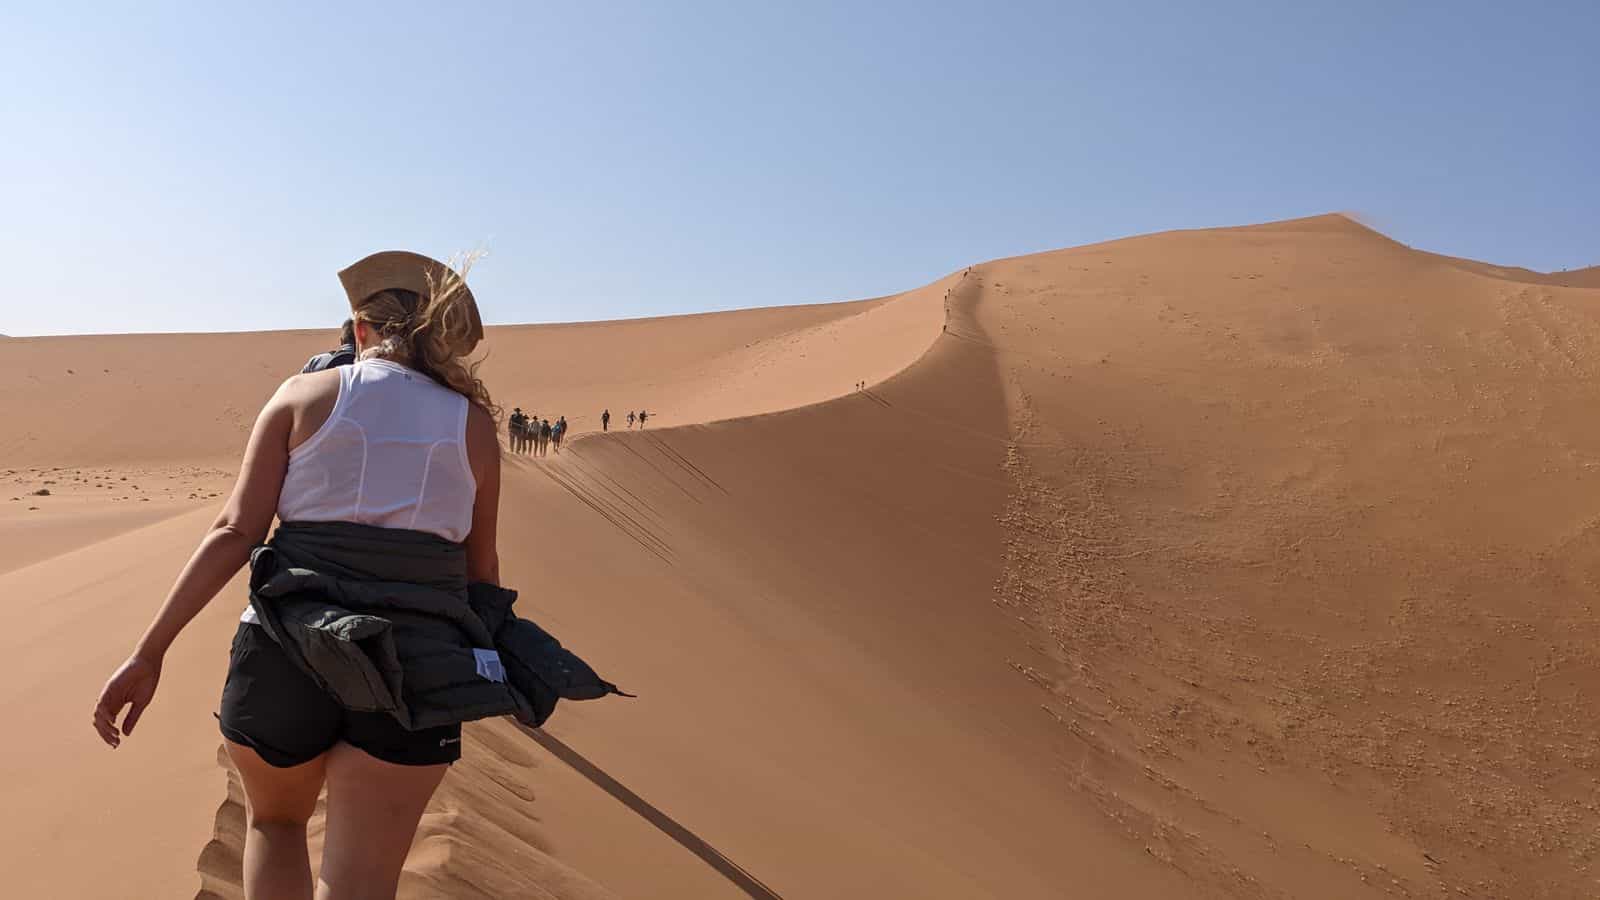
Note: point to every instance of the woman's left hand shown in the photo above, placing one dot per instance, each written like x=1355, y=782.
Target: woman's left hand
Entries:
x=133, y=685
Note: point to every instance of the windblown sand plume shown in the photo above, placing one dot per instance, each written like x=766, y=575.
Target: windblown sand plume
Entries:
x=1243, y=562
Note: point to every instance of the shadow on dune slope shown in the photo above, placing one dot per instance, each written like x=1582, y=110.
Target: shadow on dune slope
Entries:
x=804, y=602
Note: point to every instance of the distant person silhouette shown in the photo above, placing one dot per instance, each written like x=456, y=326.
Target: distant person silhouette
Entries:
x=344, y=356
x=642, y=416
x=605, y=420
x=630, y=418
x=517, y=429
x=544, y=438
x=523, y=427
x=557, y=432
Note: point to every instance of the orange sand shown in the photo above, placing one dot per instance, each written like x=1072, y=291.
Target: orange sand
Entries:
x=1240, y=562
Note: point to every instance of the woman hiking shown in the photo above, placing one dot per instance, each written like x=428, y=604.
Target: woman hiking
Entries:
x=384, y=473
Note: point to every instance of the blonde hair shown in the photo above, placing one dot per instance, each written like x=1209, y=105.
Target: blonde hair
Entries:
x=431, y=334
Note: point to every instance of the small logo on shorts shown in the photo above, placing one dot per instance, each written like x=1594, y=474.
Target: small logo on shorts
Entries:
x=445, y=742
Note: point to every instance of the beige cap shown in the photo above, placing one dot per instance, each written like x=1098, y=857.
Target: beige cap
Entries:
x=407, y=271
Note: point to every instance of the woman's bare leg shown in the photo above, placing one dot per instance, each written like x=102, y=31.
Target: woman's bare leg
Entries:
x=278, y=803
x=373, y=810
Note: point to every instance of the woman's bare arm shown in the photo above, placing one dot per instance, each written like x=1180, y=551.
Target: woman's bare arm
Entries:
x=242, y=524
x=483, y=453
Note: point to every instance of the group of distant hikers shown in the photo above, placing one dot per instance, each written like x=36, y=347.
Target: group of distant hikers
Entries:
x=528, y=434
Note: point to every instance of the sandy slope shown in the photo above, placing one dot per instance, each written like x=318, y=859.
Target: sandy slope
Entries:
x=83, y=822
x=1308, y=517
x=1239, y=562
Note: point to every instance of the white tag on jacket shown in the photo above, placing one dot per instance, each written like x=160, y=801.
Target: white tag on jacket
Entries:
x=489, y=664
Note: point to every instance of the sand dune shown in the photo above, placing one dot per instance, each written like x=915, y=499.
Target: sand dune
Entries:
x=72, y=403
x=74, y=828
x=1237, y=562
x=1589, y=277
x=1583, y=278
x=1305, y=515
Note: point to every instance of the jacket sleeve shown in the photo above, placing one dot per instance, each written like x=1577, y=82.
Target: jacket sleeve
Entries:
x=536, y=664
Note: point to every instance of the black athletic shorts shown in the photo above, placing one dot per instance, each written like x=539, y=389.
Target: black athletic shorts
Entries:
x=275, y=709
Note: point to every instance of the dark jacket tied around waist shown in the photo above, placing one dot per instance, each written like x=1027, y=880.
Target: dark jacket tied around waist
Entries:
x=384, y=620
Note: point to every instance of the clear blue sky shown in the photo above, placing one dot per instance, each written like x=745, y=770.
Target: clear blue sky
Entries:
x=209, y=166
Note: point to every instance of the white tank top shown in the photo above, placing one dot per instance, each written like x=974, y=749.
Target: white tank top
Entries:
x=393, y=453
